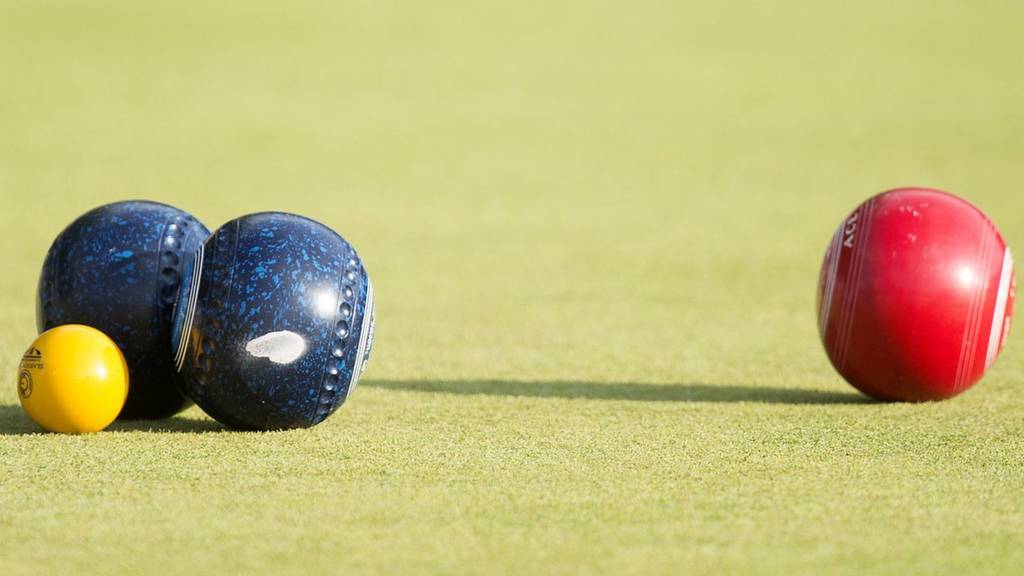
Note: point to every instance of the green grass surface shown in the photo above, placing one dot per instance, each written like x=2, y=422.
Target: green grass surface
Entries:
x=594, y=231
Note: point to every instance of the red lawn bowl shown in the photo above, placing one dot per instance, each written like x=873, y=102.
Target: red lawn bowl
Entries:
x=915, y=296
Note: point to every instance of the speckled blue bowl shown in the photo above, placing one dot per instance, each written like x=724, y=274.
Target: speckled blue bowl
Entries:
x=274, y=323
x=117, y=268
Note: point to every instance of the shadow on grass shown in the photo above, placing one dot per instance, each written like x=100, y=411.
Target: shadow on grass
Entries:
x=624, y=391
x=177, y=424
x=14, y=422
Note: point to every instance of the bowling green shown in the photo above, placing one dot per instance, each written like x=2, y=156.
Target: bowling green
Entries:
x=595, y=234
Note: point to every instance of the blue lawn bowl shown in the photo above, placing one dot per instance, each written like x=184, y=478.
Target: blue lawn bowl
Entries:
x=274, y=323
x=118, y=268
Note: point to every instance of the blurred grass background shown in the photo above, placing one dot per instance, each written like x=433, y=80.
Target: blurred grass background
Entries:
x=594, y=229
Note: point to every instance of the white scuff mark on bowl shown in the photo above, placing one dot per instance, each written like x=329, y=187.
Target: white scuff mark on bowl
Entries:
x=281, y=347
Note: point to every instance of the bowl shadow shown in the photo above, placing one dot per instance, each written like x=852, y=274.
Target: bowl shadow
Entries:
x=625, y=391
x=14, y=422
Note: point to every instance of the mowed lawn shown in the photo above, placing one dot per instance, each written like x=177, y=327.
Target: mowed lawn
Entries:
x=595, y=234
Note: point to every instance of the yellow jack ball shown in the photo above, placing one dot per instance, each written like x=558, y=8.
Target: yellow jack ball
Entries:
x=73, y=379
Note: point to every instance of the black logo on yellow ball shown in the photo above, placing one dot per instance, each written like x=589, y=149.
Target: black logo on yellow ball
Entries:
x=25, y=384
x=32, y=360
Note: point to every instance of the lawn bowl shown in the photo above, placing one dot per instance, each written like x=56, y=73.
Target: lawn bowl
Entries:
x=915, y=296
x=117, y=268
x=274, y=323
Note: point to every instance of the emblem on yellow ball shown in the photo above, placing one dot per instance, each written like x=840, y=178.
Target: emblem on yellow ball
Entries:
x=25, y=384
